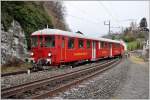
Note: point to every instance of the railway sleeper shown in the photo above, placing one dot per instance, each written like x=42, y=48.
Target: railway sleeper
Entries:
x=65, y=86
x=66, y=77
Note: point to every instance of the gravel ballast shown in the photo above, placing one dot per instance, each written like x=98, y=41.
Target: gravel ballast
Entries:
x=14, y=80
x=127, y=80
x=120, y=82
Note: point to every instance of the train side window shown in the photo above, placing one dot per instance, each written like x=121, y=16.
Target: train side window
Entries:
x=63, y=42
x=88, y=43
x=50, y=41
x=102, y=44
x=117, y=45
x=70, y=43
x=80, y=43
x=106, y=44
x=109, y=45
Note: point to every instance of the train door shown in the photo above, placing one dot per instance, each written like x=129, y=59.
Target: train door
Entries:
x=63, y=46
x=93, y=50
x=110, y=49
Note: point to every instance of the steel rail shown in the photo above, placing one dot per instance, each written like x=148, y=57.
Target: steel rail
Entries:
x=74, y=82
x=13, y=73
x=35, y=84
x=17, y=73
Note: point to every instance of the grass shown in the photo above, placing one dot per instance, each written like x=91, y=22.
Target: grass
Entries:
x=133, y=45
x=137, y=60
x=21, y=67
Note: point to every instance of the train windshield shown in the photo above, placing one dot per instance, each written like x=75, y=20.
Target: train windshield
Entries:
x=44, y=41
x=50, y=41
x=34, y=41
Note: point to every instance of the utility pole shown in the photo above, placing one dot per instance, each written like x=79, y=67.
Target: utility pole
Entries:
x=108, y=25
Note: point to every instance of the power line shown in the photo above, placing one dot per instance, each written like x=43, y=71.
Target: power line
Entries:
x=85, y=19
x=83, y=11
x=106, y=9
x=110, y=14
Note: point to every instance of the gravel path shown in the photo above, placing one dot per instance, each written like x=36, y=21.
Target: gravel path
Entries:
x=125, y=81
x=136, y=85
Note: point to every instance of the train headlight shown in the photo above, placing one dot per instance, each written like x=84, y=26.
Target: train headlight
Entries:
x=32, y=54
x=49, y=54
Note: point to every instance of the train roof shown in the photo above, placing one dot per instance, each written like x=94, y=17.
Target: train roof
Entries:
x=48, y=31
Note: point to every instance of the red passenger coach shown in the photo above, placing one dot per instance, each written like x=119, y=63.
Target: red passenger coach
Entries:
x=56, y=47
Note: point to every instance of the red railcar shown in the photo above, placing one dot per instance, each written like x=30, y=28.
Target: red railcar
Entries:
x=56, y=47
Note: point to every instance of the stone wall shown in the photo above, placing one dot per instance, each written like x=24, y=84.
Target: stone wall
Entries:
x=13, y=43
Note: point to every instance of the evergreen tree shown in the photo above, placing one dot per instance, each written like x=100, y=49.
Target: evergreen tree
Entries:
x=143, y=23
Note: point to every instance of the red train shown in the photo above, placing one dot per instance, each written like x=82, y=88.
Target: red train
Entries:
x=56, y=47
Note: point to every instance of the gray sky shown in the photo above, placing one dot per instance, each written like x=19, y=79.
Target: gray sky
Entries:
x=89, y=16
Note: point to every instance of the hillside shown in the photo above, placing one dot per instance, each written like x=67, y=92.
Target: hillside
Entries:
x=19, y=19
x=134, y=36
x=32, y=15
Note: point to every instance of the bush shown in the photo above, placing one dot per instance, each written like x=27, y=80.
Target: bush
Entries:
x=128, y=38
x=134, y=45
x=141, y=35
x=30, y=16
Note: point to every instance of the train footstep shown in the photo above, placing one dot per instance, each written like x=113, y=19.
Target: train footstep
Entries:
x=81, y=86
x=86, y=83
x=28, y=71
x=91, y=81
x=74, y=89
x=57, y=98
x=67, y=93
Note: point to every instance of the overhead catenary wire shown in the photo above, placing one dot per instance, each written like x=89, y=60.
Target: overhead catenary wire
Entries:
x=108, y=11
x=110, y=14
x=84, y=19
x=96, y=22
x=92, y=21
x=85, y=12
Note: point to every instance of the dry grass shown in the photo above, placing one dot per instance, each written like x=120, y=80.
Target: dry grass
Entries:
x=137, y=60
x=13, y=68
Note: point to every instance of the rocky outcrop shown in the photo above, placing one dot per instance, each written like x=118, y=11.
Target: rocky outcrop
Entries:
x=13, y=43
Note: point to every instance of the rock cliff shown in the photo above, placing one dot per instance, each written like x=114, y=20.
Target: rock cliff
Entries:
x=20, y=18
x=13, y=43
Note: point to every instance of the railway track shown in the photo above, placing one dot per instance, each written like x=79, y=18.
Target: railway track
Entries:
x=25, y=71
x=52, y=85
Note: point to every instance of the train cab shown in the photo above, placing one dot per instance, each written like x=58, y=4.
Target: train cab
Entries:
x=43, y=48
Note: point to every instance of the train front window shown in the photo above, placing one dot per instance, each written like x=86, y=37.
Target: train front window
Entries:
x=34, y=41
x=41, y=41
x=50, y=41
